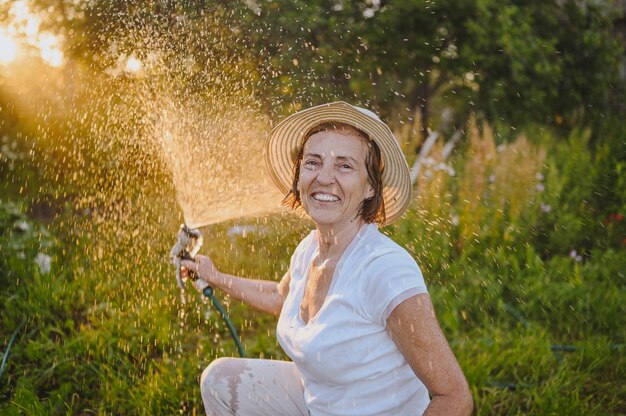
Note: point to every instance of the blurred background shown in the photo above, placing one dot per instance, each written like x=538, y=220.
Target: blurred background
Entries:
x=119, y=120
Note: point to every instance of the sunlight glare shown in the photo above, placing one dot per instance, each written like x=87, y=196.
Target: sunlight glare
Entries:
x=50, y=52
x=20, y=10
x=31, y=26
x=52, y=57
x=133, y=64
x=8, y=49
x=24, y=29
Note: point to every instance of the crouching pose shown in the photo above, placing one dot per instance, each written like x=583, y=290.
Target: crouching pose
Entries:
x=355, y=316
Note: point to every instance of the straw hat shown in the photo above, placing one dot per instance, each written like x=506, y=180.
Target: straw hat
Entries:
x=284, y=141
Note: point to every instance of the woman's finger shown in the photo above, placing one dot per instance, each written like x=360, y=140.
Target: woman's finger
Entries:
x=189, y=265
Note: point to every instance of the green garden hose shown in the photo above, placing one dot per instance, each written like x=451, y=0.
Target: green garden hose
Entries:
x=5, y=357
x=208, y=292
x=189, y=241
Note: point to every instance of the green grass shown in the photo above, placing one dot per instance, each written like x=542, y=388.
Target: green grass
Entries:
x=106, y=331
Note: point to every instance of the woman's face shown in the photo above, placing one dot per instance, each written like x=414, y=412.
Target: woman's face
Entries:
x=333, y=179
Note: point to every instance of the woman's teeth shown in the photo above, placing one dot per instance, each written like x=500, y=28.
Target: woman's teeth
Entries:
x=325, y=197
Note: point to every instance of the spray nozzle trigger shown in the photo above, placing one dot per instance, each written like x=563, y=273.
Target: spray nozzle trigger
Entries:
x=187, y=246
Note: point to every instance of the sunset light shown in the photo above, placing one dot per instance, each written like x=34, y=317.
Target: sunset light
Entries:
x=49, y=50
x=133, y=64
x=328, y=207
x=8, y=49
x=23, y=33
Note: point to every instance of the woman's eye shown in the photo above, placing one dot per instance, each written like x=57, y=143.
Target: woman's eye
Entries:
x=346, y=166
x=310, y=163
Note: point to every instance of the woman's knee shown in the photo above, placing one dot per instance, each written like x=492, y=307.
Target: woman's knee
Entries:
x=222, y=378
x=213, y=375
x=233, y=386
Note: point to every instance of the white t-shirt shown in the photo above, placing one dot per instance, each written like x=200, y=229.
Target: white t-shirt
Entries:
x=348, y=362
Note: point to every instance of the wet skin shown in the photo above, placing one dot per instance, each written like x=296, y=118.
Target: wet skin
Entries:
x=333, y=183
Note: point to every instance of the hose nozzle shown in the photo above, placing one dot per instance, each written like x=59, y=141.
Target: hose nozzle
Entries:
x=187, y=246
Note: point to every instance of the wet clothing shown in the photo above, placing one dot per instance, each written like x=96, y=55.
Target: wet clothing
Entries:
x=344, y=362
x=252, y=387
x=348, y=363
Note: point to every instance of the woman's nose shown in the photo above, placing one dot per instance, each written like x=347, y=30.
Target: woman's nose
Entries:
x=326, y=175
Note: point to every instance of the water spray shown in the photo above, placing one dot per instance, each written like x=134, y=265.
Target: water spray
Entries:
x=187, y=246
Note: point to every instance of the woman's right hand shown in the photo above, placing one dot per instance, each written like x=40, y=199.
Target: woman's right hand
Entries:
x=203, y=266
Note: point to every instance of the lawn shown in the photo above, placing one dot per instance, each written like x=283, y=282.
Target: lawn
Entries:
x=521, y=243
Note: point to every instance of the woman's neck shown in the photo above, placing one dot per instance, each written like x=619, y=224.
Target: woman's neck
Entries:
x=333, y=241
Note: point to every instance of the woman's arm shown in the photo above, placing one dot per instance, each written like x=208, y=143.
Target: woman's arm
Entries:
x=414, y=328
x=263, y=295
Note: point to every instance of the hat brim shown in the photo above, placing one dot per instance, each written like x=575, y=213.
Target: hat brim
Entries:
x=284, y=141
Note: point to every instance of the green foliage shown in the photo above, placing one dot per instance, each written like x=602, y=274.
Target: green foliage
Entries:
x=511, y=285
x=506, y=293
x=522, y=248
x=584, y=181
x=539, y=43
x=512, y=60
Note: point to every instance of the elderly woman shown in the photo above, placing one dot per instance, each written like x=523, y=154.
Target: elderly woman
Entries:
x=354, y=313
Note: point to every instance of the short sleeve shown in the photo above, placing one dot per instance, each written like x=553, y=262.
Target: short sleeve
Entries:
x=390, y=279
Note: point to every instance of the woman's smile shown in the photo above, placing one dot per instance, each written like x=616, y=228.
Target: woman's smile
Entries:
x=325, y=197
x=333, y=178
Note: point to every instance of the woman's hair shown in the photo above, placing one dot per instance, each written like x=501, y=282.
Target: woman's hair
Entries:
x=372, y=209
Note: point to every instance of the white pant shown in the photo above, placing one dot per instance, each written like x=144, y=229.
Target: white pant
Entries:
x=248, y=386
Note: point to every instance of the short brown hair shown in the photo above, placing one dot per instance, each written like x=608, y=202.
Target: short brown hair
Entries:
x=372, y=209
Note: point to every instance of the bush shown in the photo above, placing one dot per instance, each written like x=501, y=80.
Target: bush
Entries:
x=511, y=280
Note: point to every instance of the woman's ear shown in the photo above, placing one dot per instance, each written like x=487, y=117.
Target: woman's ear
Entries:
x=370, y=193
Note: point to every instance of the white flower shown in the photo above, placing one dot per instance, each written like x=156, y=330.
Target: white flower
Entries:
x=22, y=226
x=540, y=187
x=545, y=207
x=455, y=220
x=492, y=178
x=446, y=168
x=574, y=255
x=44, y=262
x=539, y=176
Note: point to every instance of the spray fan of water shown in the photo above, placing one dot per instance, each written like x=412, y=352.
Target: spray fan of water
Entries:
x=160, y=103
x=217, y=166
x=208, y=128
x=161, y=124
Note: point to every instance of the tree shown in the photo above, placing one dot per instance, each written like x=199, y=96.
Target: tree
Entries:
x=522, y=61
x=547, y=62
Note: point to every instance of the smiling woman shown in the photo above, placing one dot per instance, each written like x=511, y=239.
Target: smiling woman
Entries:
x=355, y=316
x=372, y=209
